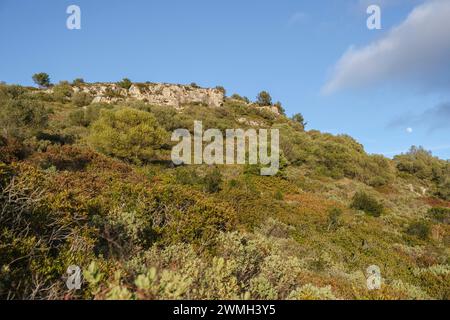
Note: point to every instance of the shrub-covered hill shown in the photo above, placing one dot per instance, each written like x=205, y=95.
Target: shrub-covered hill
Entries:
x=92, y=185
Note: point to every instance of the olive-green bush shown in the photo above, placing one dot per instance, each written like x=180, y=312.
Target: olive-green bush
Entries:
x=128, y=134
x=367, y=203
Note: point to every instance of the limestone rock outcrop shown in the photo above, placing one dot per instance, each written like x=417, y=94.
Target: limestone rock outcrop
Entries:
x=155, y=93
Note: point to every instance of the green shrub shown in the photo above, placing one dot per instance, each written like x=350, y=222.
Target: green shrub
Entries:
x=77, y=118
x=443, y=186
x=233, y=183
x=334, y=216
x=300, y=120
x=222, y=89
x=112, y=93
x=84, y=117
x=66, y=157
x=180, y=214
x=42, y=79
x=440, y=214
x=264, y=99
x=81, y=99
x=235, y=96
x=310, y=292
x=280, y=108
x=12, y=149
x=419, y=162
x=22, y=118
x=125, y=83
x=419, y=229
x=213, y=181
x=128, y=134
x=78, y=81
x=62, y=91
x=45, y=233
x=280, y=274
x=187, y=176
x=364, y=202
x=167, y=117
x=333, y=156
x=435, y=280
x=11, y=91
x=279, y=195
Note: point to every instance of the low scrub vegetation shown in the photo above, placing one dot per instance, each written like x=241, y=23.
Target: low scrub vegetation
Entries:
x=364, y=202
x=90, y=184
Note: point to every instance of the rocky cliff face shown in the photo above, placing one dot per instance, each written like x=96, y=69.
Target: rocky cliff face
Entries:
x=155, y=93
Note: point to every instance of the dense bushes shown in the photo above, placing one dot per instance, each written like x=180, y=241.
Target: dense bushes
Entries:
x=186, y=216
x=125, y=83
x=11, y=150
x=128, y=134
x=78, y=82
x=47, y=231
x=146, y=230
x=264, y=99
x=245, y=266
x=364, y=202
x=81, y=99
x=22, y=118
x=62, y=92
x=236, y=96
x=334, y=216
x=420, y=164
x=64, y=157
x=443, y=185
x=334, y=156
x=42, y=79
x=86, y=116
x=419, y=229
x=440, y=214
x=213, y=180
x=41, y=233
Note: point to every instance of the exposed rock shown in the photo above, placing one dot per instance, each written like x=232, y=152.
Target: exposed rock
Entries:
x=164, y=94
x=154, y=93
x=272, y=109
x=424, y=191
x=249, y=122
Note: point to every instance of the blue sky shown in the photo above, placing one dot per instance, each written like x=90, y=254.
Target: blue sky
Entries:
x=290, y=48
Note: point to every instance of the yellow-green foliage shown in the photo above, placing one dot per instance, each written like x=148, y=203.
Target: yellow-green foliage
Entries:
x=334, y=156
x=140, y=228
x=41, y=234
x=21, y=117
x=420, y=164
x=128, y=134
x=364, y=202
x=81, y=99
x=62, y=91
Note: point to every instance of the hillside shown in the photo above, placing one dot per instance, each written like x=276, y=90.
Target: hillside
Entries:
x=86, y=179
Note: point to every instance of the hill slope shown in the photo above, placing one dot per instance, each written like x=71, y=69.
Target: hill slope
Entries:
x=91, y=184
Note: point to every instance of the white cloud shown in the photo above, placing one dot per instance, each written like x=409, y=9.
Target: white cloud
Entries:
x=415, y=52
x=409, y=130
